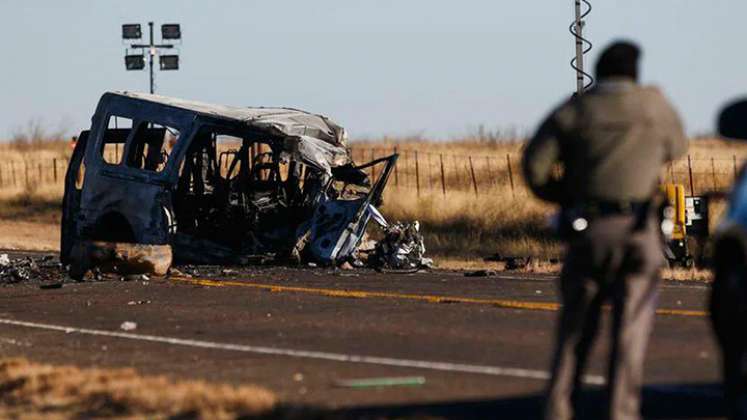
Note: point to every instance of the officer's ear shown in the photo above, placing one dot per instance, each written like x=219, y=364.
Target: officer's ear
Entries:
x=732, y=121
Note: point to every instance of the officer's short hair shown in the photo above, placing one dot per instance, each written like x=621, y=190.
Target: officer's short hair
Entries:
x=619, y=59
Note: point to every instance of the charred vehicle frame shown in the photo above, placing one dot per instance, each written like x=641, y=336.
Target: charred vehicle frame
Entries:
x=215, y=184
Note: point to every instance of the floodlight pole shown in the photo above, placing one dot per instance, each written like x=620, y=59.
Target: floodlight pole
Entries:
x=152, y=48
x=151, y=53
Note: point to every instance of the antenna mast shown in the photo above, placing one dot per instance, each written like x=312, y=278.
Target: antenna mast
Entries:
x=584, y=80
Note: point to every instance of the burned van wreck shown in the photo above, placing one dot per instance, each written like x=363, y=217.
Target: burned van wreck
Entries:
x=213, y=184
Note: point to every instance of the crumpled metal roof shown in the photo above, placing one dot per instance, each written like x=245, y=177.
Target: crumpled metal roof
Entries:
x=312, y=138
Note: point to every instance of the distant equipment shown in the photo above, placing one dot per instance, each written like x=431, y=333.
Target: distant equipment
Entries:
x=688, y=229
x=136, y=60
x=584, y=80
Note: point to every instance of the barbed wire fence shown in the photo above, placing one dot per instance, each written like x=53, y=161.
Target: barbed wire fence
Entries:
x=427, y=172
x=424, y=172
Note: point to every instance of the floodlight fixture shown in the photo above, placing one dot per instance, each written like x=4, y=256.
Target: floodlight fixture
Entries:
x=131, y=31
x=134, y=62
x=171, y=31
x=169, y=62
x=149, y=50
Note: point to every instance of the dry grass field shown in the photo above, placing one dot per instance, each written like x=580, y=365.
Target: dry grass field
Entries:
x=32, y=390
x=467, y=193
x=484, y=215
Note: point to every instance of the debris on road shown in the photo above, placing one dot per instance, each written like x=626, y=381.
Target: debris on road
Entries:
x=128, y=326
x=17, y=270
x=518, y=263
x=346, y=266
x=512, y=262
x=27, y=269
x=480, y=273
x=381, y=382
x=138, y=302
x=521, y=262
x=401, y=248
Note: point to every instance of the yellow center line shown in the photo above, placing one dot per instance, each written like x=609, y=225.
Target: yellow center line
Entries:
x=363, y=294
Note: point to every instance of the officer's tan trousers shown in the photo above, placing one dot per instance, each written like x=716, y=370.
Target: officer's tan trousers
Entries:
x=607, y=263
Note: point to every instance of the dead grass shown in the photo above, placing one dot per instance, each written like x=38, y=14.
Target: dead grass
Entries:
x=30, y=217
x=33, y=151
x=460, y=226
x=41, y=205
x=544, y=267
x=694, y=274
x=31, y=390
x=457, y=225
x=462, y=264
x=463, y=225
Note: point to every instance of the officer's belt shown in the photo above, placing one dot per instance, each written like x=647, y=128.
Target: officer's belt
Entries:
x=601, y=208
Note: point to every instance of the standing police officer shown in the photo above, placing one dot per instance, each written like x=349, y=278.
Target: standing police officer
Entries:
x=599, y=156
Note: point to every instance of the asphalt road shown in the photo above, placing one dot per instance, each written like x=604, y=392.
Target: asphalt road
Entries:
x=482, y=344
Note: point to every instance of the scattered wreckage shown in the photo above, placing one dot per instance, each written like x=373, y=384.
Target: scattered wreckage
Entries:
x=160, y=179
x=401, y=248
x=25, y=269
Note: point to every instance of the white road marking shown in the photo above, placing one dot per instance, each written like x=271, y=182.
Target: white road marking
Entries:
x=336, y=357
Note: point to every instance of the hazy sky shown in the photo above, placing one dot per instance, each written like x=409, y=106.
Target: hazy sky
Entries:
x=378, y=67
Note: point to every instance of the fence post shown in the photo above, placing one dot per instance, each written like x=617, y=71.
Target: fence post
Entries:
x=510, y=174
x=443, y=177
x=396, y=176
x=690, y=173
x=373, y=167
x=54, y=168
x=456, y=170
x=26, y=172
x=406, y=167
x=40, y=172
x=13, y=172
x=491, y=180
x=713, y=173
x=734, y=160
x=430, y=172
x=417, y=173
x=472, y=171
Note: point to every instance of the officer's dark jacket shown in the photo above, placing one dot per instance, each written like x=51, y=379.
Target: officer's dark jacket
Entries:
x=608, y=144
